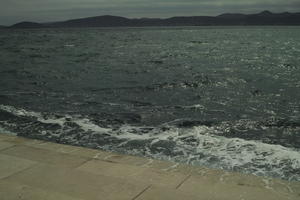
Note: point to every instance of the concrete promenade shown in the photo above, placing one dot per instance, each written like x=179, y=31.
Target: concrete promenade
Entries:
x=39, y=170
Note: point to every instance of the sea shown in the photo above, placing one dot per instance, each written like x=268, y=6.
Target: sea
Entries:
x=220, y=97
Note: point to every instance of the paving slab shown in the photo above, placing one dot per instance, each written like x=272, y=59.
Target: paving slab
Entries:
x=78, y=184
x=208, y=187
x=161, y=178
x=121, y=158
x=158, y=164
x=60, y=148
x=5, y=145
x=32, y=169
x=248, y=180
x=6, y=137
x=125, y=159
x=111, y=169
x=44, y=156
x=108, y=156
x=90, y=153
x=134, y=173
x=156, y=193
x=10, y=165
x=15, y=191
x=19, y=140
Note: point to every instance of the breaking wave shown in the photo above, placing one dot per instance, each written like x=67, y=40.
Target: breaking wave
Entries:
x=195, y=143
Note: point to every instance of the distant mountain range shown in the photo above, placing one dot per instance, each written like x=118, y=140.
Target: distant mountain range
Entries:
x=263, y=18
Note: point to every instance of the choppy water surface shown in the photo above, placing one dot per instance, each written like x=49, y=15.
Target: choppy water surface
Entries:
x=220, y=97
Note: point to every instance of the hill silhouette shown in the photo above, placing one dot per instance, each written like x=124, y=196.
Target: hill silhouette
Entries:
x=27, y=25
x=262, y=18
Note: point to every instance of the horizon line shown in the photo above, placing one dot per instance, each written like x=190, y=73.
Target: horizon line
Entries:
x=162, y=18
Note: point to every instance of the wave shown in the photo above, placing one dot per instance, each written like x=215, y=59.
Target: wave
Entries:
x=191, y=142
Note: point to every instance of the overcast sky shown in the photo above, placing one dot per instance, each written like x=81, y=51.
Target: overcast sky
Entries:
x=12, y=11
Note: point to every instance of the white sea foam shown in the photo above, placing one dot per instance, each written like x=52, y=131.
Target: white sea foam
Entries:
x=216, y=151
x=84, y=123
x=5, y=131
x=87, y=125
x=198, y=145
x=38, y=115
x=19, y=111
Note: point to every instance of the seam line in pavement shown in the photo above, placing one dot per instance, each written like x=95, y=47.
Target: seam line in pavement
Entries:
x=184, y=180
x=21, y=171
x=139, y=194
x=7, y=148
x=86, y=161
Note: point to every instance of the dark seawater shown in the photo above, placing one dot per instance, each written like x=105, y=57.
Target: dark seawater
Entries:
x=222, y=97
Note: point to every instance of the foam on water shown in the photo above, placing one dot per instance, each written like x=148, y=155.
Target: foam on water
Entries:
x=220, y=152
x=5, y=131
x=196, y=145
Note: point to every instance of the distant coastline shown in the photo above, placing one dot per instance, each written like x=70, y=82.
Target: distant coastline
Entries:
x=227, y=19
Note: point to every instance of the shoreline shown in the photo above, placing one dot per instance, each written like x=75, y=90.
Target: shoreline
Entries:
x=78, y=173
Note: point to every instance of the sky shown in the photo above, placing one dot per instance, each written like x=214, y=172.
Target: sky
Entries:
x=13, y=11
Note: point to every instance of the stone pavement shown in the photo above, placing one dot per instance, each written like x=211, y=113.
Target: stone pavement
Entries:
x=38, y=170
